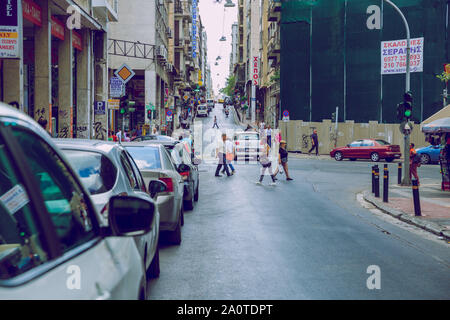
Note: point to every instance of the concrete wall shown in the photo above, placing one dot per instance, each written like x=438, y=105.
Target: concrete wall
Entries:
x=297, y=134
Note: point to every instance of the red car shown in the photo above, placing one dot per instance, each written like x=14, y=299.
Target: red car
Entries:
x=373, y=149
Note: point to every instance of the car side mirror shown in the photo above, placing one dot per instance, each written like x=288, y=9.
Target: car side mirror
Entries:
x=130, y=216
x=155, y=187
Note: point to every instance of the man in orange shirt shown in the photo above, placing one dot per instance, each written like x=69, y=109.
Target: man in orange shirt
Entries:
x=413, y=163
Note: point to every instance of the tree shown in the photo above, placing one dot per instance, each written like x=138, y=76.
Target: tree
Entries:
x=229, y=88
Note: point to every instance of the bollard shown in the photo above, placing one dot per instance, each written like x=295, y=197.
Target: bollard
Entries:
x=399, y=175
x=385, y=183
x=373, y=179
x=415, y=189
x=377, y=182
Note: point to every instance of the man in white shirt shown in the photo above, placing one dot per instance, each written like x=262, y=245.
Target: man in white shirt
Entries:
x=119, y=136
x=221, y=153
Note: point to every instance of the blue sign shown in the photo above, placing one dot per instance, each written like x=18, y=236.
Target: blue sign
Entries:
x=99, y=107
x=169, y=113
x=285, y=113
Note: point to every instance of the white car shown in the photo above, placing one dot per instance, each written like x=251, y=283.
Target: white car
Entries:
x=52, y=244
x=202, y=110
x=247, y=145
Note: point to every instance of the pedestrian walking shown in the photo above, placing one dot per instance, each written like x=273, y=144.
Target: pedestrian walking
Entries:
x=283, y=159
x=414, y=163
x=265, y=162
x=269, y=136
x=315, y=142
x=215, y=123
x=229, y=156
x=221, y=153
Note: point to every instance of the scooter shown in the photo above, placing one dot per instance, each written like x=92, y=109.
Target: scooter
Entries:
x=227, y=113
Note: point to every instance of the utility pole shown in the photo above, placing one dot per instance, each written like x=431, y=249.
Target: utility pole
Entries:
x=406, y=179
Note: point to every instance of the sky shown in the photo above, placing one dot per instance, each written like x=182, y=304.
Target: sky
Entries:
x=217, y=19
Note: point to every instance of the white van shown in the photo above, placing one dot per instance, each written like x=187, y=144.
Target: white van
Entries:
x=202, y=110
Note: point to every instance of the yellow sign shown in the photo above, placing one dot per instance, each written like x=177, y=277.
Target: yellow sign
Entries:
x=125, y=73
x=113, y=104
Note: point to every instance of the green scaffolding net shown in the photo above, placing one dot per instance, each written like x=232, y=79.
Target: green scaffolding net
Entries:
x=330, y=58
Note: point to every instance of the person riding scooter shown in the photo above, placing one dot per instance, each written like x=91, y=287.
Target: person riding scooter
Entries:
x=227, y=112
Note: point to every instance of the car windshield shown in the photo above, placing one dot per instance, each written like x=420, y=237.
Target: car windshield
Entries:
x=146, y=158
x=165, y=138
x=383, y=143
x=97, y=172
x=247, y=136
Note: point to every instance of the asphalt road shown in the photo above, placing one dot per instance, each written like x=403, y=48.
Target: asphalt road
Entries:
x=305, y=239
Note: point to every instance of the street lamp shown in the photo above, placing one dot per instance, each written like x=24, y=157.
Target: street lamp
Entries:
x=229, y=4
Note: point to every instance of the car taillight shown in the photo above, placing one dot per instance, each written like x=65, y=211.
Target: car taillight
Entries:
x=237, y=143
x=169, y=183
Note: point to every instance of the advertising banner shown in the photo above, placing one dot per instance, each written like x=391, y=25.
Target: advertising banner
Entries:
x=393, y=56
x=9, y=29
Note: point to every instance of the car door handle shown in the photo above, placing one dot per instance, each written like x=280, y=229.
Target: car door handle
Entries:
x=102, y=294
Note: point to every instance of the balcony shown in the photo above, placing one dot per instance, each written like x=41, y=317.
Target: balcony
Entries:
x=273, y=48
x=106, y=9
x=178, y=43
x=274, y=10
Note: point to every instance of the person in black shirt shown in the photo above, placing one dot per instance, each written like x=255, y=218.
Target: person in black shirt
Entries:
x=315, y=143
x=283, y=159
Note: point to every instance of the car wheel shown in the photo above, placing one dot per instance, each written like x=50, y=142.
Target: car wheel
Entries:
x=196, y=194
x=375, y=157
x=188, y=204
x=182, y=217
x=425, y=159
x=175, y=236
x=153, y=270
x=352, y=159
x=338, y=156
x=389, y=159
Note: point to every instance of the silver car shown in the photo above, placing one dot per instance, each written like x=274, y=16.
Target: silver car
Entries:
x=106, y=169
x=155, y=163
x=52, y=243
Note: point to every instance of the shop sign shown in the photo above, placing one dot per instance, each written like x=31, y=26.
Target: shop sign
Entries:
x=393, y=56
x=57, y=28
x=255, y=71
x=9, y=29
x=32, y=12
x=77, y=40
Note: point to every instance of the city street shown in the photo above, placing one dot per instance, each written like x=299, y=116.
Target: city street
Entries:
x=304, y=239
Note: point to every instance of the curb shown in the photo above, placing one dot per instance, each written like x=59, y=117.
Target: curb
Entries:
x=425, y=225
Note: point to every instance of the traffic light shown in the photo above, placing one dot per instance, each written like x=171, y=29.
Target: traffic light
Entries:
x=407, y=105
x=149, y=114
x=400, y=112
x=124, y=105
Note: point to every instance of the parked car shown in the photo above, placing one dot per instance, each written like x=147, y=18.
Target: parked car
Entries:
x=182, y=158
x=52, y=240
x=247, y=145
x=429, y=154
x=202, y=110
x=373, y=149
x=106, y=169
x=152, y=137
x=155, y=163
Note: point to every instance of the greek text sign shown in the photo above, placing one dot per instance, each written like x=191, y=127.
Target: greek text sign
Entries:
x=393, y=56
x=9, y=29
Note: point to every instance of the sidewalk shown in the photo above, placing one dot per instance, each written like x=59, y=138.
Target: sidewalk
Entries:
x=434, y=203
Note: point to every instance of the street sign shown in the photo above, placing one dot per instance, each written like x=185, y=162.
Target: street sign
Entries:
x=406, y=128
x=285, y=116
x=116, y=87
x=169, y=118
x=9, y=29
x=99, y=107
x=113, y=104
x=125, y=73
x=169, y=113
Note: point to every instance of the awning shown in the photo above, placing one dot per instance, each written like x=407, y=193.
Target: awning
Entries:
x=437, y=126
